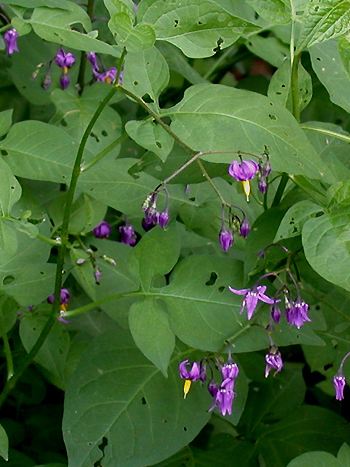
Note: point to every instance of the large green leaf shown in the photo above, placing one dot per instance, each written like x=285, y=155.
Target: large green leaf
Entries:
x=142, y=36
x=324, y=20
x=294, y=219
x=54, y=25
x=151, y=136
x=149, y=326
x=269, y=49
x=119, y=407
x=203, y=313
x=332, y=72
x=213, y=118
x=39, y=151
x=326, y=242
x=275, y=11
x=10, y=190
x=4, y=444
x=197, y=27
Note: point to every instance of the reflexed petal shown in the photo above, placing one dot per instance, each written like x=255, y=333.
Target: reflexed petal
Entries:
x=239, y=291
x=251, y=302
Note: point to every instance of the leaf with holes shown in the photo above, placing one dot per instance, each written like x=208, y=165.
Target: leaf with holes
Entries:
x=199, y=28
x=294, y=219
x=326, y=245
x=214, y=117
x=332, y=72
x=280, y=86
x=275, y=11
x=269, y=49
x=134, y=39
x=53, y=354
x=149, y=326
x=151, y=136
x=115, y=394
x=39, y=151
x=146, y=73
x=54, y=25
x=324, y=20
x=202, y=312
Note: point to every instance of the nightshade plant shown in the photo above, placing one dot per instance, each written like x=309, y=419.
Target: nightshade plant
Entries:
x=174, y=221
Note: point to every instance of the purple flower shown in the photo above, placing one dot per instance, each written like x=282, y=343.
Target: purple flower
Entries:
x=297, y=313
x=127, y=234
x=64, y=59
x=273, y=361
x=213, y=388
x=107, y=76
x=262, y=185
x=251, y=298
x=244, y=229
x=229, y=373
x=148, y=222
x=92, y=57
x=224, y=400
x=275, y=313
x=243, y=172
x=46, y=82
x=163, y=218
x=64, y=297
x=225, y=239
x=10, y=39
x=191, y=371
x=97, y=275
x=64, y=81
x=102, y=230
x=339, y=385
x=265, y=168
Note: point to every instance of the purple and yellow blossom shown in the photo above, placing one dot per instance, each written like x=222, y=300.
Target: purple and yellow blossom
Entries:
x=244, y=171
x=191, y=371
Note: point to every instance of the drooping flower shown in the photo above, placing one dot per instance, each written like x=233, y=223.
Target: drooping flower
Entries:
x=339, y=385
x=64, y=81
x=92, y=57
x=265, y=168
x=297, y=312
x=163, y=218
x=273, y=361
x=223, y=400
x=127, y=234
x=229, y=373
x=102, y=230
x=107, y=76
x=244, y=229
x=148, y=222
x=275, y=313
x=10, y=39
x=97, y=275
x=64, y=59
x=243, y=172
x=252, y=297
x=262, y=185
x=225, y=239
x=191, y=371
x=64, y=297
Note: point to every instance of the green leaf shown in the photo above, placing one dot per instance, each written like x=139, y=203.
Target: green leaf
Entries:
x=120, y=6
x=344, y=455
x=136, y=38
x=54, y=25
x=275, y=11
x=39, y=151
x=202, y=312
x=115, y=394
x=10, y=190
x=197, y=27
x=53, y=353
x=305, y=430
x=149, y=326
x=319, y=458
x=146, y=72
x=331, y=71
x=324, y=20
x=268, y=48
x=326, y=245
x=214, y=117
x=4, y=444
x=5, y=121
x=339, y=195
x=73, y=114
x=151, y=136
x=63, y=4
x=295, y=218
x=280, y=86
x=84, y=273
x=157, y=253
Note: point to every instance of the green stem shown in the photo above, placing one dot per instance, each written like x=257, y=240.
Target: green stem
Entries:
x=48, y=240
x=295, y=87
x=280, y=190
x=210, y=181
x=103, y=153
x=11, y=383
x=82, y=67
x=8, y=355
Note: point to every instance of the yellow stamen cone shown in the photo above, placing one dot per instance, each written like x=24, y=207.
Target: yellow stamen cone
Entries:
x=187, y=386
x=246, y=188
x=65, y=70
x=63, y=308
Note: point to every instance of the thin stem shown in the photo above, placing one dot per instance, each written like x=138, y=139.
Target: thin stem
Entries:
x=82, y=67
x=206, y=175
x=280, y=190
x=295, y=87
x=48, y=240
x=8, y=356
x=103, y=153
x=61, y=254
x=346, y=356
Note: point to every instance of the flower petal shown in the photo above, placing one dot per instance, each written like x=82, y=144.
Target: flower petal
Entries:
x=239, y=291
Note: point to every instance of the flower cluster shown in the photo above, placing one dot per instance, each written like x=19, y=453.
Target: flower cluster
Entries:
x=127, y=232
x=152, y=215
x=223, y=394
x=10, y=39
x=232, y=225
x=64, y=300
x=101, y=74
x=245, y=170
